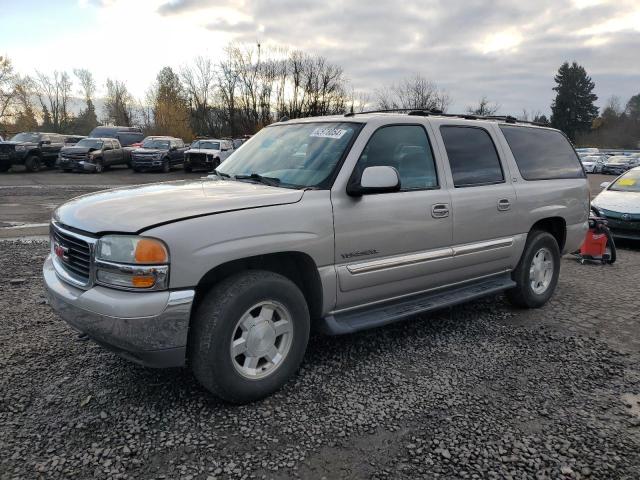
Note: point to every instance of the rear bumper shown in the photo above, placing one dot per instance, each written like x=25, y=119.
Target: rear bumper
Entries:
x=149, y=328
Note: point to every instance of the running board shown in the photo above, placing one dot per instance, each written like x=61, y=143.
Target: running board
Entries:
x=383, y=314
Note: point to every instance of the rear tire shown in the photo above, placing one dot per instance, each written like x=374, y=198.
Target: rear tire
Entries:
x=32, y=163
x=252, y=312
x=536, y=275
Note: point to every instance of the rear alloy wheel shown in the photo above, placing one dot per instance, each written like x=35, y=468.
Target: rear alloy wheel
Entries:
x=536, y=275
x=32, y=163
x=249, y=335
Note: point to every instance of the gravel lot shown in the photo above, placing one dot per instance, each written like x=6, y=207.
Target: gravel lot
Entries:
x=478, y=391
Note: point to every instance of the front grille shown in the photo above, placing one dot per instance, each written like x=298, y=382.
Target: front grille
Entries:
x=72, y=253
x=74, y=156
x=4, y=148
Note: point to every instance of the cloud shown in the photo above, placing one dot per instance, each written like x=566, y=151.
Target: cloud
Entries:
x=242, y=27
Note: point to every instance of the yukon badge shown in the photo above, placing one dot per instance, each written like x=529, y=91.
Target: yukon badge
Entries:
x=360, y=253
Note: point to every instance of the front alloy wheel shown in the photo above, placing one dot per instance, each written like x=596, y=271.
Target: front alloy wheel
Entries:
x=261, y=340
x=541, y=271
x=248, y=336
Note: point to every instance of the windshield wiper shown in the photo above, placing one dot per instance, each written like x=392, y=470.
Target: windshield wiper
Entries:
x=271, y=181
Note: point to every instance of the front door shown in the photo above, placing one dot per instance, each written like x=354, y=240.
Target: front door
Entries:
x=393, y=244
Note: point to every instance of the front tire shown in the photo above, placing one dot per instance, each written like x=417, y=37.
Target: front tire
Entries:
x=166, y=166
x=249, y=335
x=5, y=167
x=536, y=275
x=32, y=163
x=99, y=166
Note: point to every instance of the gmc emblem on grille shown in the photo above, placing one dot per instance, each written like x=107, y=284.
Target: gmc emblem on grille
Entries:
x=61, y=251
x=625, y=216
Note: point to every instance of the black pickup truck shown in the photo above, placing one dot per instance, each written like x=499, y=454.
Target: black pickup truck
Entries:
x=93, y=155
x=158, y=153
x=31, y=149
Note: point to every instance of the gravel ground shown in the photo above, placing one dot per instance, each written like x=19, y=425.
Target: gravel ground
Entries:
x=468, y=393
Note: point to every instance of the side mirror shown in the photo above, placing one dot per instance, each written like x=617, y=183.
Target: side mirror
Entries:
x=605, y=184
x=173, y=148
x=382, y=179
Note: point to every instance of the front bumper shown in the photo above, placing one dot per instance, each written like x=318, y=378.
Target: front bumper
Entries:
x=614, y=170
x=76, y=165
x=149, y=328
x=12, y=158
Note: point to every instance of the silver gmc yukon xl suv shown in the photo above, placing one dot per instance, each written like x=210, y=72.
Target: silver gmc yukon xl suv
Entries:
x=338, y=223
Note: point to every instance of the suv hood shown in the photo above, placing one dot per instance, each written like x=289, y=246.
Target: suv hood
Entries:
x=77, y=150
x=134, y=209
x=7, y=142
x=203, y=150
x=148, y=150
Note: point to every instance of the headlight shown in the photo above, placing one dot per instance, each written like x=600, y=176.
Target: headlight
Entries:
x=20, y=148
x=131, y=262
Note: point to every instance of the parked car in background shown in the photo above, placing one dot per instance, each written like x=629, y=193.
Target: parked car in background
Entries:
x=31, y=149
x=382, y=217
x=619, y=203
x=127, y=136
x=593, y=163
x=587, y=151
x=93, y=155
x=619, y=164
x=158, y=153
x=207, y=154
x=70, y=140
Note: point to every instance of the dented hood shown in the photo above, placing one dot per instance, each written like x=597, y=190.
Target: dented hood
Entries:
x=133, y=209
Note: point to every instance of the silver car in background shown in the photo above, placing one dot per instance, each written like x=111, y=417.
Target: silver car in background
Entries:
x=619, y=203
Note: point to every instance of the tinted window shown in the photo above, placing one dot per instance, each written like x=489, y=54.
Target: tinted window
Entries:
x=542, y=154
x=407, y=149
x=127, y=139
x=472, y=156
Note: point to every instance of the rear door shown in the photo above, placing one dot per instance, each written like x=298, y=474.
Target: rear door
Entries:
x=483, y=199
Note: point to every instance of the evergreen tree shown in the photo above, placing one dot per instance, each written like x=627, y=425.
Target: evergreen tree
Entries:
x=573, y=110
x=633, y=108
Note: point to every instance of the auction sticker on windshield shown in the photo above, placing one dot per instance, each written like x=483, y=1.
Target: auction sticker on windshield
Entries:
x=626, y=182
x=328, y=132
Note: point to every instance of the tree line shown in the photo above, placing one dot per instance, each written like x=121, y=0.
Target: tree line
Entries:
x=250, y=87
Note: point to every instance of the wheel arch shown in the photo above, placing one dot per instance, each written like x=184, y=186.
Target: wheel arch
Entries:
x=298, y=267
x=556, y=226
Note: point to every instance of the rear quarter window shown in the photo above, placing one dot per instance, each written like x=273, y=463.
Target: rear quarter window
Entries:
x=542, y=154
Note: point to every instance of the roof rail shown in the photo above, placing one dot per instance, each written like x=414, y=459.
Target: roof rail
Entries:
x=424, y=112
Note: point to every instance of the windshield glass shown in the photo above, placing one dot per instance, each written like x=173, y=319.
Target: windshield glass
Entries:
x=26, y=137
x=89, y=143
x=297, y=154
x=153, y=143
x=629, y=182
x=209, y=145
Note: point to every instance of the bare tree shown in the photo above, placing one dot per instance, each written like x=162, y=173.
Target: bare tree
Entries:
x=413, y=93
x=53, y=93
x=119, y=104
x=7, y=87
x=24, y=112
x=484, y=108
x=199, y=85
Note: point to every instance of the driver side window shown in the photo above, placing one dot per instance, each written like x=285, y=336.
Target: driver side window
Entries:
x=405, y=148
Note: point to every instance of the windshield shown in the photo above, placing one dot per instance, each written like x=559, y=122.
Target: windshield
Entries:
x=89, y=143
x=153, y=143
x=629, y=182
x=297, y=154
x=209, y=145
x=26, y=137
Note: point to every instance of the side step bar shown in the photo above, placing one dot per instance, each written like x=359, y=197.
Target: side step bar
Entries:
x=396, y=310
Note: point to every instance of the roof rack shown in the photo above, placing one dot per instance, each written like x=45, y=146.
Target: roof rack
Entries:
x=439, y=113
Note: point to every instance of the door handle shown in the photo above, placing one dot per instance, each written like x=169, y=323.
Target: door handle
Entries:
x=440, y=210
x=504, y=204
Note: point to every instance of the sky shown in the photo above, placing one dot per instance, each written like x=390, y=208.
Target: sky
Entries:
x=505, y=50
